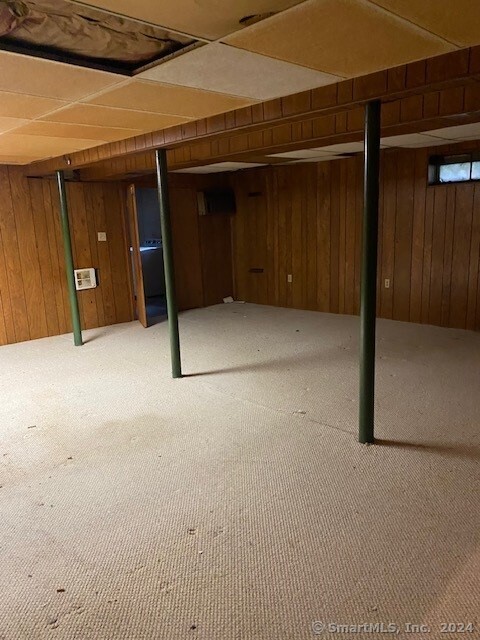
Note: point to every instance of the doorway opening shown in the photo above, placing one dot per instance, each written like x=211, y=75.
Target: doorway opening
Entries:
x=147, y=256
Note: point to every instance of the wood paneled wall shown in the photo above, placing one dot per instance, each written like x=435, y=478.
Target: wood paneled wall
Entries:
x=186, y=248
x=33, y=293
x=202, y=244
x=305, y=220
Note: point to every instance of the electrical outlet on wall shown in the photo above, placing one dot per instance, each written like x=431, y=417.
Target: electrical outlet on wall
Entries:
x=289, y=278
x=102, y=236
x=387, y=283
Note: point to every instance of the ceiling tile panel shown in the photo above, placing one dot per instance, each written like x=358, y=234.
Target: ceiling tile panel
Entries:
x=79, y=131
x=457, y=21
x=169, y=99
x=411, y=140
x=219, y=167
x=254, y=76
x=460, y=132
x=37, y=77
x=342, y=147
x=210, y=19
x=19, y=105
x=342, y=37
x=41, y=146
x=17, y=159
x=112, y=117
x=300, y=154
x=6, y=124
x=317, y=159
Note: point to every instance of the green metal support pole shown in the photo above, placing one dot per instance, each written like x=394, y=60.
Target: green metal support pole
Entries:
x=162, y=184
x=368, y=293
x=67, y=245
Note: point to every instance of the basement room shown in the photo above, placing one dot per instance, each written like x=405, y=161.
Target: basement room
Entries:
x=239, y=319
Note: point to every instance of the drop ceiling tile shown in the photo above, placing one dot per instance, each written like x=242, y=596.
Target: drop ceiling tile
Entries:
x=111, y=117
x=456, y=21
x=318, y=159
x=333, y=157
x=209, y=19
x=20, y=105
x=300, y=154
x=410, y=140
x=79, y=131
x=254, y=76
x=342, y=147
x=343, y=37
x=15, y=159
x=6, y=124
x=259, y=159
x=41, y=146
x=37, y=77
x=218, y=167
x=433, y=142
x=169, y=99
x=460, y=132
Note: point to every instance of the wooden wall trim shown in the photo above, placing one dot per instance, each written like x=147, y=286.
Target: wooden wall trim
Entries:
x=407, y=81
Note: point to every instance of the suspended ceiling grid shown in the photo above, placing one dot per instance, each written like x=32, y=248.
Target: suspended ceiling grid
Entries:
x=49, y=108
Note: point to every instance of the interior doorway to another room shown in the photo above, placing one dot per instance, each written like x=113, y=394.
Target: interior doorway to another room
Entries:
x=147, y=256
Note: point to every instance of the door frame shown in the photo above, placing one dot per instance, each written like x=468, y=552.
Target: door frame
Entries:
x=135, y=260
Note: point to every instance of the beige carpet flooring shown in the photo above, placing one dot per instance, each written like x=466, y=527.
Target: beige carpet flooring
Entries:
x=236, y=503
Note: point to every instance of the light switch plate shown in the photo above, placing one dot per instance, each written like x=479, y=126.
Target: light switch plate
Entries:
x=102, y=236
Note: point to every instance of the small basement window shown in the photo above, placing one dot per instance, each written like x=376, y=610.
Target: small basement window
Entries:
x=458, y=168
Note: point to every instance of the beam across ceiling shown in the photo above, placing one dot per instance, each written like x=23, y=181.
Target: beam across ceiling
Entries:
x=440, y=114
x=452, y=77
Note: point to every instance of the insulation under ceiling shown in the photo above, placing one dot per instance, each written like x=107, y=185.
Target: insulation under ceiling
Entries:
x=58, y=28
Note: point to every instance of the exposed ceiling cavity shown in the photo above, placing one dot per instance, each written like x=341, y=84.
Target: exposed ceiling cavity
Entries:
x=256, y=17
x=61, y=30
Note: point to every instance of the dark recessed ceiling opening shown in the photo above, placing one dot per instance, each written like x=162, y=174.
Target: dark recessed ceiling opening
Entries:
x=247, y=21
x=61, y=30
